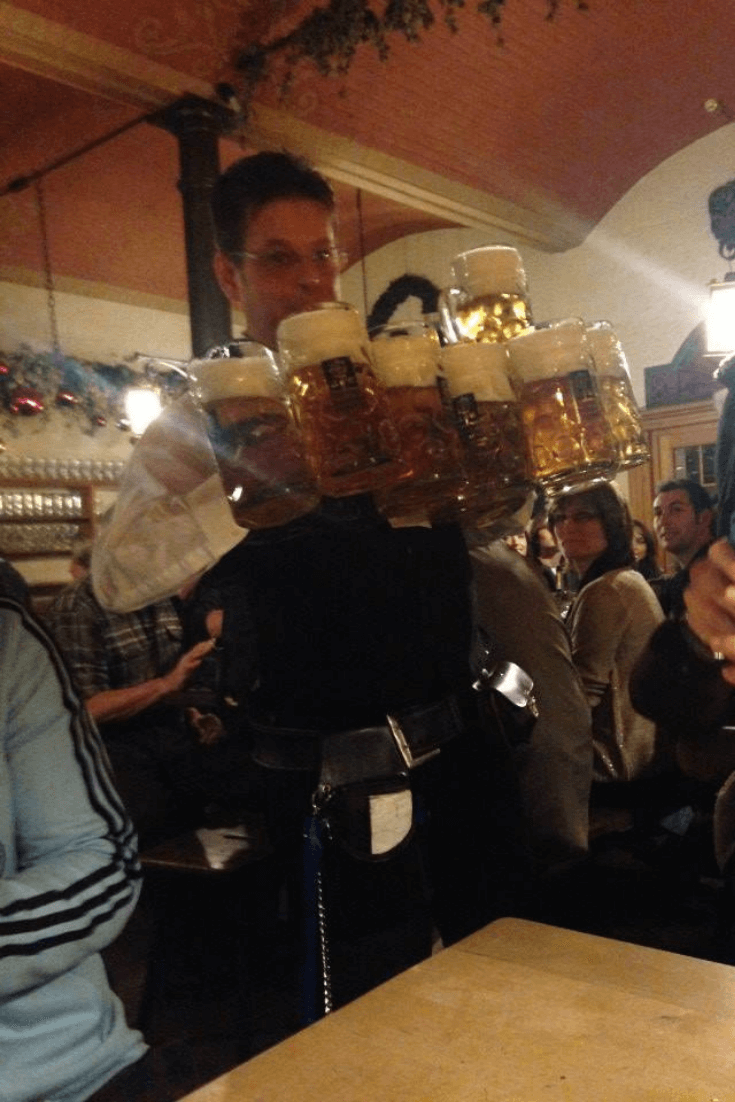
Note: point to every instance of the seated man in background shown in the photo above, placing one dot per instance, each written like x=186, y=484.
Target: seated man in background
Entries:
x=129, y=668
x=68, y=881
x=675, y=682
x=683, y=519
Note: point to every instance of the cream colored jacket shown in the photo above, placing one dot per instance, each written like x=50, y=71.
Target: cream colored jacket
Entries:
x=610, y=623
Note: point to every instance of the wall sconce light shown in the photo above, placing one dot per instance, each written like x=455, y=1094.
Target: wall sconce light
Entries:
x=720, y=318
x=142, y=406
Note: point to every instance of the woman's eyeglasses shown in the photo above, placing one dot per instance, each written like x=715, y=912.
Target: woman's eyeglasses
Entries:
x=582, y=517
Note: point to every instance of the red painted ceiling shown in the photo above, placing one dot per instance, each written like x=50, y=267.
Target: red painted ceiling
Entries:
x=567, y=114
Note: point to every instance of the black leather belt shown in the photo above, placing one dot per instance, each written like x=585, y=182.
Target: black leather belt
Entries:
x=404, y=741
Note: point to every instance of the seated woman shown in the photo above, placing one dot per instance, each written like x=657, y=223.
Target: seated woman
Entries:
x=644, y=551
x=610, y=622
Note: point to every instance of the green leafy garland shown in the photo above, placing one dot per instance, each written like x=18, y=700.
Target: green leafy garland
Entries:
x=330, y=35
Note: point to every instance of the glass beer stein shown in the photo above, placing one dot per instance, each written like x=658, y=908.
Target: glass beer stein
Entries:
x=488, y=300
x=406, y=361
x=616, y=394
x=341, y=408
x=490, y=427
x=570, y=441
x=259, y=451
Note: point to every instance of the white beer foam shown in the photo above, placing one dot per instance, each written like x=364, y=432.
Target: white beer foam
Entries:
x=606, y=350
x=477, y=368
x=492, y=268
x=321, y=334
x=234, y=377
x=550, y=352
x=405, y=361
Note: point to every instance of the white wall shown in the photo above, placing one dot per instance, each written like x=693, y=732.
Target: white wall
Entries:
x=644, y=267
x=91, y=328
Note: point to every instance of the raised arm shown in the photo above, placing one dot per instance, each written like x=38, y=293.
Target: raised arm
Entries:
x=116, y=704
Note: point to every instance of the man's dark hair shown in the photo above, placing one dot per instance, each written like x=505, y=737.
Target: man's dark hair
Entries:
x=699, y=499
x=251, y=183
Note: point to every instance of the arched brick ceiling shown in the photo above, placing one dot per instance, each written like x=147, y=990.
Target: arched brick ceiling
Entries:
x=579, y=107
x=129, y=234
x=550, y=130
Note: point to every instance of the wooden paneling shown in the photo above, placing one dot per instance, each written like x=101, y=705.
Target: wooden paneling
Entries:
x=667, y=428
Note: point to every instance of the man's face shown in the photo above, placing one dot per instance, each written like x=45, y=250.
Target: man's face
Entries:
x=680, y=530
x=265, y=285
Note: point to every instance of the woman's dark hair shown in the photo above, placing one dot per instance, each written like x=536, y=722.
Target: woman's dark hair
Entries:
x=648, y=538
x=251, y=183
x=605, y=501
x=648, y=565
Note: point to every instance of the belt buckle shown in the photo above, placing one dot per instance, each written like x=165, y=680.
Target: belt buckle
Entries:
x=411, y=760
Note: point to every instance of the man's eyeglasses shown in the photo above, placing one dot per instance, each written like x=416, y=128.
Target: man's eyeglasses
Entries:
x=286, y=261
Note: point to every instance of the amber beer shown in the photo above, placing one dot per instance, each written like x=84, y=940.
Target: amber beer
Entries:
x=259, y=452
x=340, y=406
x=488, y=419
x=616, y=394
x=489, y=297
x=570, y=441
x=406, y=361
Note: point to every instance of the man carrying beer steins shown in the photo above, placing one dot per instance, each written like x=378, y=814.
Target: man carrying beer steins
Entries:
x=389, y=814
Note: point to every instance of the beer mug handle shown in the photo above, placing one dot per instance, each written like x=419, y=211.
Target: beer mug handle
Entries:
x=446, y=305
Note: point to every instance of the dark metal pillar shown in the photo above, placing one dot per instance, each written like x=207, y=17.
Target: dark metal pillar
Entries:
x=198, y=124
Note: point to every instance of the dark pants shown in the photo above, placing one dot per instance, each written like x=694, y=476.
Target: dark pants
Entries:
x=377, y=914
x=466, y=864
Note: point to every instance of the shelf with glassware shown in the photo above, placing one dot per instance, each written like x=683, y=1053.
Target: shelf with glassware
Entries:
x=48, y=504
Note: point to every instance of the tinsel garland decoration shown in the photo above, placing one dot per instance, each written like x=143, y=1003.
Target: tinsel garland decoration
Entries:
x=330, y=35
x=88, y=394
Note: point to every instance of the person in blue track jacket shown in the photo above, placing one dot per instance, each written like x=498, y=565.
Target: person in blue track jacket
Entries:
x=69, y=880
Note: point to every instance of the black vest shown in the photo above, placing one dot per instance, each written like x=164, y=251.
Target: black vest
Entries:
x=344, y=617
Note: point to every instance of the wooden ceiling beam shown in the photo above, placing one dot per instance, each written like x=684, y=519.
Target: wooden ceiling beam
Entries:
x=342, y=159
x=56, y=52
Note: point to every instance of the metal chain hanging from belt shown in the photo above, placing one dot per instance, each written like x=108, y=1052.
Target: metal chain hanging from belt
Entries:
x=326, y=966
x=317, y=963
x=48, y=274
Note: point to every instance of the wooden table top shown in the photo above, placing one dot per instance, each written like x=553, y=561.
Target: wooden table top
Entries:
x=519, y=1012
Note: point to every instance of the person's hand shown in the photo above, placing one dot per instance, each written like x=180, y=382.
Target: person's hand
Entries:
x=209, y=728
x=710, y=603
x=214, y=622
x=177, y=678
